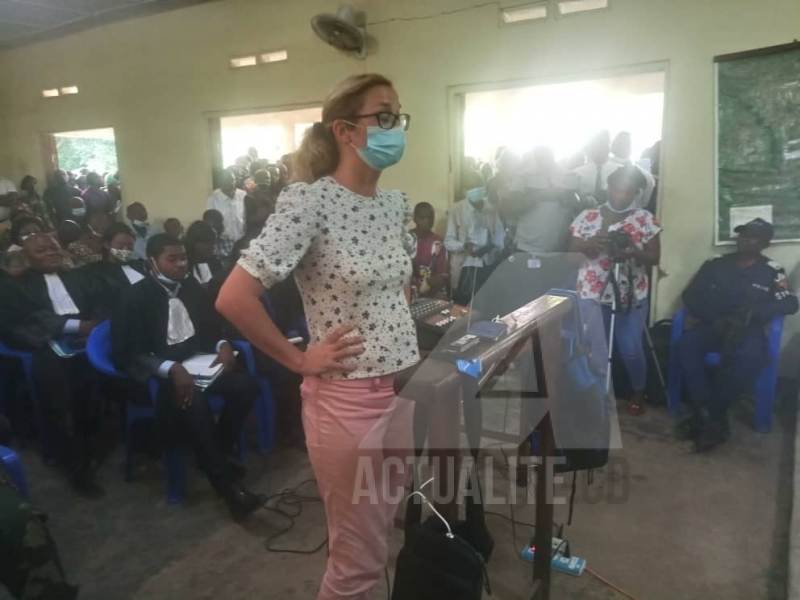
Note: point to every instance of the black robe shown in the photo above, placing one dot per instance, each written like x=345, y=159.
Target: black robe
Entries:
x=113, y=279
x=27, y=319
x=139, y=327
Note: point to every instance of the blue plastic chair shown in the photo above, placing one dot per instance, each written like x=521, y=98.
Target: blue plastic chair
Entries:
x=99, y=350
x=766, y=383
x=26, y=358
x=13, y=465
x=265, y=403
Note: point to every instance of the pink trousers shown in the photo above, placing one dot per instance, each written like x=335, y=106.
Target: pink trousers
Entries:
x=359, y=440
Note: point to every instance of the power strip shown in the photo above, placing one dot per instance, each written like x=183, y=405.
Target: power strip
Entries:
x=571, y=566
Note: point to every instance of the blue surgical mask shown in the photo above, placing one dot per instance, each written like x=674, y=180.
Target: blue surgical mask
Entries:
x=476, y=195
x=385, y=147
x=617, y=211
x=140, y=224
x=161, y=277
x=78, y=212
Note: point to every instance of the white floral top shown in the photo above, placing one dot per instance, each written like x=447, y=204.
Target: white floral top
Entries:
x=351, y=259
x=593, y=275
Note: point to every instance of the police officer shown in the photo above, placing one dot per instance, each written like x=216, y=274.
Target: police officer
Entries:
x=731, y=300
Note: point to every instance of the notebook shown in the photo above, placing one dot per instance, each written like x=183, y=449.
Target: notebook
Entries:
x=199, y=366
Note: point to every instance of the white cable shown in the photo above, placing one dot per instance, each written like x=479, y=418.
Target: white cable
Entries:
x=438, y=514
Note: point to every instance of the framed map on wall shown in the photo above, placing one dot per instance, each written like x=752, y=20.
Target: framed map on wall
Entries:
x=758, y=141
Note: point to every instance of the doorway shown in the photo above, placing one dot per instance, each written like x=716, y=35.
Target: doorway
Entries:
x=81, y=152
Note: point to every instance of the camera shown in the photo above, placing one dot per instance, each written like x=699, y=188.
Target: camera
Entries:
x=619, y=241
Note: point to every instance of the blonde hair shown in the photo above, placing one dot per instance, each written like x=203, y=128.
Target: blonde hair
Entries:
x=318, y=154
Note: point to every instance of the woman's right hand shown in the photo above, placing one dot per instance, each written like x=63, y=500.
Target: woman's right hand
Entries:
x=599, y=243
x=328, y=355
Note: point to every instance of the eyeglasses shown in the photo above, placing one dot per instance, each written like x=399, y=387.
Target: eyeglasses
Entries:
x=387, y=120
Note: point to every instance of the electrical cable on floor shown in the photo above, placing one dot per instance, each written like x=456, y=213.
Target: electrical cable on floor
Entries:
x=514, y=522
x=287, y=498
x=613, y=586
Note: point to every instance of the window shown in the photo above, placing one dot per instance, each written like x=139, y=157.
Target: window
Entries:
x=244, y=61
x=526, y=12
x=69, y=90
x=271, y=57
x=568, y=7
x=50, y=93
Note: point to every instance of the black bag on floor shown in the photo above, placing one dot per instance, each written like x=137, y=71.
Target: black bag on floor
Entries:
x=445, y=560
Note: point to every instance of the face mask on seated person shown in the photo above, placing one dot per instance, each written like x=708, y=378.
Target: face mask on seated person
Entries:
x=123, y=256
x=79, y=212
x=140, y=224
x=163, y=278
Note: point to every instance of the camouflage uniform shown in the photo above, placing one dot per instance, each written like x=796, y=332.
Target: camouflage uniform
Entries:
x=29, y=564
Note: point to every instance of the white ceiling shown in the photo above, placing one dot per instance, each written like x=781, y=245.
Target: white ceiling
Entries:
x=27, y=21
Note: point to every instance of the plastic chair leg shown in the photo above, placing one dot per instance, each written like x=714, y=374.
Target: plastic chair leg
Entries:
x=48, y=454
x=765, y=390
x=14, y=466
x=265, y=416
x=176, y=476
x=129, y=452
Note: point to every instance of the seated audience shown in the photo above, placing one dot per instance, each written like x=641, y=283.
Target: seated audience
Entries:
x=30, y=568
x=214, y=218
x=229, y=201
x=173, y=227
x=119, y=268
x=475, y=236
x=137, y=217
x=95, y=197
x=8, y=198
x=68, y=232
x=431, y=271
x=13, y=261
x=114, y=190
x=29, y=195
x=162, y=321
x=276, y=180
x=618, y=232
x=732, y=299
x=89, y=247
x=21, y=227
x=71, y=209
x=200, y=241
x=45, y=306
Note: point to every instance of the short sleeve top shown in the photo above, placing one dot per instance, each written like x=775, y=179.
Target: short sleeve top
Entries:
x=593, y=275
x=351, y=257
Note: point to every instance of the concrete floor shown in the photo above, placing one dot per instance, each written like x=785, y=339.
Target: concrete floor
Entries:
x=664, y=524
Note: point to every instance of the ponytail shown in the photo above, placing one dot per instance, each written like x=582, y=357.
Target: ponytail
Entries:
x=318, y=154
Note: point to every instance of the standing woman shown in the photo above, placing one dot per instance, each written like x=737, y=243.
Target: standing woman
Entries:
x=592, y=233
x=346, y=241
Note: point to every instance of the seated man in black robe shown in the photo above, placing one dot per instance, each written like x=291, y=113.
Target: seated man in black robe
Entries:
x=162, y=321
x=119, y=268
x=49, y=312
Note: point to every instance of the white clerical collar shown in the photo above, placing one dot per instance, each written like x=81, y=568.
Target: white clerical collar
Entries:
x=63, y=304
x=132, y=274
